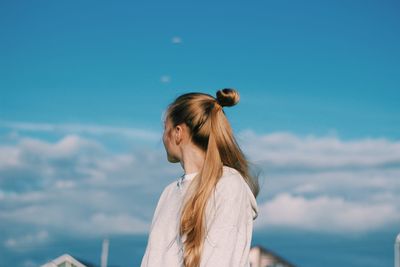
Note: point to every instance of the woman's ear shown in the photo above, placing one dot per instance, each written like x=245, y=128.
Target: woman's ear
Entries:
x=178, y=132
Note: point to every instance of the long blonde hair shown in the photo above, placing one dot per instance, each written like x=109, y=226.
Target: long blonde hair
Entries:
x=210, y=131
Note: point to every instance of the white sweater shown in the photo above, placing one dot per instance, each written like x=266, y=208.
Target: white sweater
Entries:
x=229, y=219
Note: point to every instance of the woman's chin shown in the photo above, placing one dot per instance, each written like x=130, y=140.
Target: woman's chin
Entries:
x=173, y=159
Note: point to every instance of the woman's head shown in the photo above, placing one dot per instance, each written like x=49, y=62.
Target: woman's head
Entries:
x=200, y=119
x=190, y=117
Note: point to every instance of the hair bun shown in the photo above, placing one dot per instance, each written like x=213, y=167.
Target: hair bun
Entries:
x=227, y=97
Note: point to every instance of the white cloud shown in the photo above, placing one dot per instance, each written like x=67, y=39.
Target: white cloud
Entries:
x=68, y=146
x=117, y=224
x=176, y=40
x=165, y=79
x=65, y=184
x=89, y=129
x=26, y=241
x=30, y=263
x=324, y=213
x=307, y=188
x=286, y=149
x=325, y=183
x=77, y=186
x=80, y=186
x=76, y=213
x=8, y=157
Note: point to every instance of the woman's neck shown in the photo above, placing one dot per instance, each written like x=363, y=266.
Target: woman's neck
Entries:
x=192, y=159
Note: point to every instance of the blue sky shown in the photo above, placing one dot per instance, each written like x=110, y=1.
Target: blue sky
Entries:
x=307, y=67
x=83, y=85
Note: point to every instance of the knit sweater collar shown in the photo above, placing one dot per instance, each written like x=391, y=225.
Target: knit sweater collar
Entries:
x=185, y=177
x=189, y=176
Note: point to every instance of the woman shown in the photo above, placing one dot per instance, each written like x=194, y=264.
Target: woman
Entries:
x=205, y=218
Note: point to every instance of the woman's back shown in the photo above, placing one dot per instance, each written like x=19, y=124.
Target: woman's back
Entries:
x=229, y=222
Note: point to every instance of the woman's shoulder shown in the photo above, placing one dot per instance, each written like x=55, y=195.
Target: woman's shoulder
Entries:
x=229, y=170
x=167, y=189
x=231, y=181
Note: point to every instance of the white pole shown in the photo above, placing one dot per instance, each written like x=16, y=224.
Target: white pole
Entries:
x=397, y=251
x=104, y=253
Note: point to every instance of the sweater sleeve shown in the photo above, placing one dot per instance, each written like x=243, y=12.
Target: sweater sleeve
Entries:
x=152, y=253
x=229, y=226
